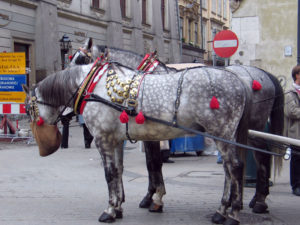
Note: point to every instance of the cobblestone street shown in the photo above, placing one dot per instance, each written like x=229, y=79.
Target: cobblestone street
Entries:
x=69, y=188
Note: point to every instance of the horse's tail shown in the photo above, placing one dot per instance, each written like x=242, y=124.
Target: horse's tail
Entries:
x=276, y=124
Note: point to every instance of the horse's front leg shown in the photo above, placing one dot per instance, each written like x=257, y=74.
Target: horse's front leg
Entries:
x=156, y=185
x=112, y=157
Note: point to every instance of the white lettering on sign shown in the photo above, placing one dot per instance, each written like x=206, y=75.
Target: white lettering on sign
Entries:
x=225, y=43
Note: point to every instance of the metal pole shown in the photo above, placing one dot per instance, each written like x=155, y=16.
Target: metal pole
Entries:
x=201, y=19
x=298, y=35
x=214, y=56
x=273, y=137
x=178, y=22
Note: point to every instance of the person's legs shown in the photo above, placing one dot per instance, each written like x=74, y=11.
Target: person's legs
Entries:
x=88, y=138
x=65, y=132
x=219, y=159
x=295, y=171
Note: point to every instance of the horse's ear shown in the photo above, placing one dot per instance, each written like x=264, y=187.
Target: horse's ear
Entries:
x=25, y=89
x=88, y=43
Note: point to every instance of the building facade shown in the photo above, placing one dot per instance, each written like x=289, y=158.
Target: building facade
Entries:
x=199, y=21
x=267, y=32
x=38, y=27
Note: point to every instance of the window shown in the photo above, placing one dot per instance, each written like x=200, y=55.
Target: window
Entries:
x=204, y=4
x=123, y=8
x=196, y=33
x=21, y=47
x=213, y=6
x=225, y=9
x=163, y=13
x=144, y=11
x=219, y=7
x=190, y=31
x=181, y=29
x=96, y=4
x=204, y=35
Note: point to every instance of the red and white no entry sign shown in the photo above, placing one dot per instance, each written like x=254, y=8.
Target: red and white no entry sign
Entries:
x=225, y=43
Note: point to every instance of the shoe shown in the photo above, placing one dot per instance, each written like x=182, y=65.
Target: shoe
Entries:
x=220, y=161
x=87, y=145
x=168, y=161
x=296, y=191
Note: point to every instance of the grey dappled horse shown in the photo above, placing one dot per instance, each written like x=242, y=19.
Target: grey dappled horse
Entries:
x=157, y=96
x=267, y=103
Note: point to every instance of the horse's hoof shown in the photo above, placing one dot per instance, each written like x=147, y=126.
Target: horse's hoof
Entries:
x=145, y=203
x=106, y=218
x=252, y=203
x=119, y=214
x=218, y=218
x=260, y=207
x=155, y=208
x=231, y=221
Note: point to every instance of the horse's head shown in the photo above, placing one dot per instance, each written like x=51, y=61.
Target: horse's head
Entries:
x=87, y=53
x=38, y=109
x=83, y=54
x=43, y=126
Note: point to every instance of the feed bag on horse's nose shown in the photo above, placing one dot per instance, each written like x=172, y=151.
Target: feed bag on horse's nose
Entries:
x=47, y=137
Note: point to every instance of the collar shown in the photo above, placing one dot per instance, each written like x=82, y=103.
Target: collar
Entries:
x=89, y=83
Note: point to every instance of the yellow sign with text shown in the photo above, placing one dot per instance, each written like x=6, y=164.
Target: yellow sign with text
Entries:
x=12, y=63
x=18, y=97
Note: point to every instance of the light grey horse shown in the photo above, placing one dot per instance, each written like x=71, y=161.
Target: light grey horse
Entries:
x=156, y=99
x=267, y=104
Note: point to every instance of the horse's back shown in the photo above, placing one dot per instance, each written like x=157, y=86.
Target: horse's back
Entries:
x=263, y=99
x=198, y=88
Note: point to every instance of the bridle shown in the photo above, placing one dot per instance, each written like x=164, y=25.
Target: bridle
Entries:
x=33, y=111
x=82, y=53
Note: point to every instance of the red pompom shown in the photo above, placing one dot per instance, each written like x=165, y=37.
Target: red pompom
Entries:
x=256, y=86
x=70, y=57
x=140, y=119
x=124, y=117
x=214, y=103
x=40, y=122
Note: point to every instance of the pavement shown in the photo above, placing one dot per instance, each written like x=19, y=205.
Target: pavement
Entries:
x=69, y=188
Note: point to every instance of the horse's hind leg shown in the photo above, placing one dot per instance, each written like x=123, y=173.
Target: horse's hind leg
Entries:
x=113, y=168
x=233, y=167
x=220, y=216
x=156, y=185
x=258, y=203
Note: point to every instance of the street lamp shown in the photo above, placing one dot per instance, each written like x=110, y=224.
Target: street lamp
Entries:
x=65, y=43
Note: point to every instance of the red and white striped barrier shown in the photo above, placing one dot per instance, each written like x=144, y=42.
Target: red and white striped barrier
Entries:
x=12, y=108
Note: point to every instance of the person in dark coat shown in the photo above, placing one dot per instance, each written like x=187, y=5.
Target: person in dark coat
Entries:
x=292, y=125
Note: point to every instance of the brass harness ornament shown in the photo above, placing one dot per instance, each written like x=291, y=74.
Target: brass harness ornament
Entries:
x=121, y=90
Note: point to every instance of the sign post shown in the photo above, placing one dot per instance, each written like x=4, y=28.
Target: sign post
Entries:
x=225, y=43
x=12, y=76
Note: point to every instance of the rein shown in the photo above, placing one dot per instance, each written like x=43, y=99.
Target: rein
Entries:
x=120, y=108
x=34, y=111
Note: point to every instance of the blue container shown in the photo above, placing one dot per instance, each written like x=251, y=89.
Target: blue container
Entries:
x=188, y=144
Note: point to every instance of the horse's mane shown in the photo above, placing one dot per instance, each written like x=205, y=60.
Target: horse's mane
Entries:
x=127, y=54
x=57, y=88
x=101, y=47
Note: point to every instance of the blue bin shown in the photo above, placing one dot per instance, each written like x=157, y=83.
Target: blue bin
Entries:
x=188, y=144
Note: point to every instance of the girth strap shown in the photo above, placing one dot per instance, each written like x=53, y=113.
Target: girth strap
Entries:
x=178, y=94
